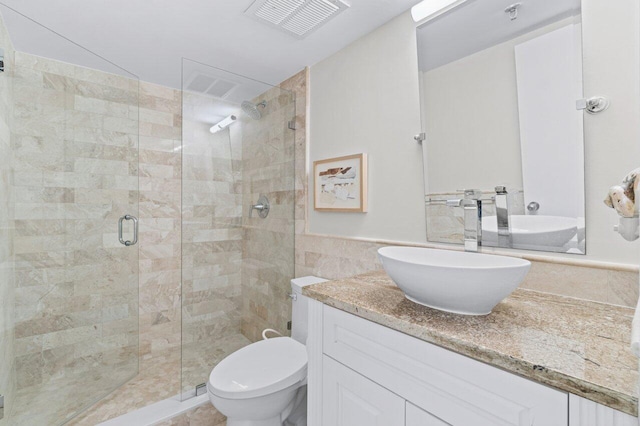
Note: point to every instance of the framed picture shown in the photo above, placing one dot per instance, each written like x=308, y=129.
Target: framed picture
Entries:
x=340, y=184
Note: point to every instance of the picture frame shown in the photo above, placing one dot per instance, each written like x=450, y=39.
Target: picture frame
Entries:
x=340, y=184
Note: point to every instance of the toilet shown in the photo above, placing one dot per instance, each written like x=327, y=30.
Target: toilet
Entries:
x=265, y=383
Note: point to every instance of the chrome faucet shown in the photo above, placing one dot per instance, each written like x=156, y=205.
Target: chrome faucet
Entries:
x=502, y=215
x=472, y=205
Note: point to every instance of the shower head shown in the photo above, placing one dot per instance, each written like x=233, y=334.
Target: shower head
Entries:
x=252, y=109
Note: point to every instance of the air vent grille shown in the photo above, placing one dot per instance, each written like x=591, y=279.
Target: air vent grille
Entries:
x=221, y=88
x=200, y=83
x=276, y=11
x=213, y=86
x=296, y=17
x=310, y=16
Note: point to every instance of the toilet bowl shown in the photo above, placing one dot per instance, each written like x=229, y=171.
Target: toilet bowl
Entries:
x=264, y=384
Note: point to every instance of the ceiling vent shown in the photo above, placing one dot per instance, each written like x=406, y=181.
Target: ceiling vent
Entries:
x=213, y=86
x=298, y=18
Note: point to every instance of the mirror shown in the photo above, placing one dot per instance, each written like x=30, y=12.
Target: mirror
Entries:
x=500, y=85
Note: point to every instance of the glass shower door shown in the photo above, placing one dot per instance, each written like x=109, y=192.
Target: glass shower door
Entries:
x=74, y=139
x=237, y=261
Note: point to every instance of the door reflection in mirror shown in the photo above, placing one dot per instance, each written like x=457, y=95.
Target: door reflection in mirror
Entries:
x=499, y=109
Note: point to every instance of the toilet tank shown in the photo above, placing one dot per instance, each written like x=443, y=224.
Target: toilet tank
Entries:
x=300, y=305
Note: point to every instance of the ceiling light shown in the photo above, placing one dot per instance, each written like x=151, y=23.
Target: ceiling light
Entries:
x=429, y=9
x=223, y=124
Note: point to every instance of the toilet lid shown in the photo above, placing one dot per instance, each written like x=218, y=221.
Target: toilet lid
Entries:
x=259, y=369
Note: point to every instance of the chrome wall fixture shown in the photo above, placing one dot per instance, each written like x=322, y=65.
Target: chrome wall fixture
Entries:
x=135, y=230
x=472, y=205
x=263, y=207
x=593, y=105
x=512, y=11
x=533, y=206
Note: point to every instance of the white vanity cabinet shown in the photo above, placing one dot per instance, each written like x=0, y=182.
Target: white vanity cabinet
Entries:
x=350, y=399
x=362, y=373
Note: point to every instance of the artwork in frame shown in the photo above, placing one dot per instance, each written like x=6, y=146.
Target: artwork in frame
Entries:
x=340, y=184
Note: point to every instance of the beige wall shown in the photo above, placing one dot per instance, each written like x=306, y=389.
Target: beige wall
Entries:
x=365, y=99
x=211, y=243
x=74, y=139
x=7, y=283
x=160, y=243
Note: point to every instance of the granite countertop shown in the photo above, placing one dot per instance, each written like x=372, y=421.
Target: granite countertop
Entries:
x=577, y=346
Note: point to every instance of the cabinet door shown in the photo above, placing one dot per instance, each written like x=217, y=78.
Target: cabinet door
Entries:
x=583, y=412
x=455, y=389
x=418, y=417
x=350, y=399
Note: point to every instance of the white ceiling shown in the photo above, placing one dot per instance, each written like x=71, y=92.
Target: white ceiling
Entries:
x=479, y=24
x=149, y=37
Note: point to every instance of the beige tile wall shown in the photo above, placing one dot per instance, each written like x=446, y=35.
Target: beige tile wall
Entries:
x=160, y=233
x=268, y=160
x=335, y=257
x=211, y=242
x=7, y=284
x=75, y=146
x=212, y=215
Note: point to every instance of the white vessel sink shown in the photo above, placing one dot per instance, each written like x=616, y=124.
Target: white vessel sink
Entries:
x=452, y=281
x=532, y=231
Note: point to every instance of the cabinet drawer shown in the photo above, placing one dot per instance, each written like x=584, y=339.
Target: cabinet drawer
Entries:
x=451, y=387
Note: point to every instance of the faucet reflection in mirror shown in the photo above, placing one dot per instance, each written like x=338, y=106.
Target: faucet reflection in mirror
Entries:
x=499, y=101
x=472, y=207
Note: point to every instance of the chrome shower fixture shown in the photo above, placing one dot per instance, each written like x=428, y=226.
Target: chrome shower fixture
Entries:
x=252, y=109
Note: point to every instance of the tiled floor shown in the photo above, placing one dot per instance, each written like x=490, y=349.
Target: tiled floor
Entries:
x=204, y=415
x=199, y=359
x=162, y=381
x=48, y=403
x=151, y=385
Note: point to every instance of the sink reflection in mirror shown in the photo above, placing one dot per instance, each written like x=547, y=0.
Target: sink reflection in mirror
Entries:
x=500, y=115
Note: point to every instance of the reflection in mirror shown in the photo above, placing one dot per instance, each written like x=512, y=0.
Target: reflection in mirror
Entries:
x=499, y=90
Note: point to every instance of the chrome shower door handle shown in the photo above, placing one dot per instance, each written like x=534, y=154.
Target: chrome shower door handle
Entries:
x=135, y=230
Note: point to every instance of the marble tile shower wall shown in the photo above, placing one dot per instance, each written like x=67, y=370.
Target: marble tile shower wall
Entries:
x=211, y=242
x=268, y=167
x=7, y=285
x=74, y=142
x=160, y=231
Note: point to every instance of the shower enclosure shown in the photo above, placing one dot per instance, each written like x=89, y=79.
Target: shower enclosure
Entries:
x=86, y=151
x=69, y=172
x=237, y=255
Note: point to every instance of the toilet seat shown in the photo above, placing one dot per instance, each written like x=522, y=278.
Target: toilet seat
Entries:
x=260, y=369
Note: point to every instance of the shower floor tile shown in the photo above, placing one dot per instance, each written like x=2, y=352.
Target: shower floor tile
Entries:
x=162, y=381
x=153, y=384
